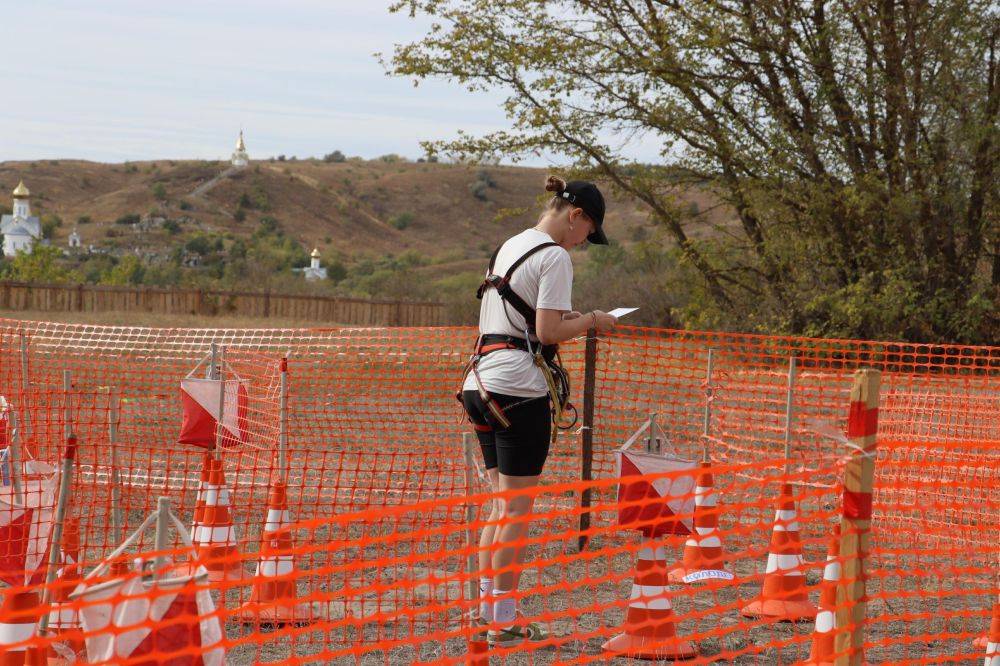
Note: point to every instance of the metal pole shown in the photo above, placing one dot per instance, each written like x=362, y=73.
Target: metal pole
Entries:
x=789, y=414
x=67, y=387
x=587, y=434
x=162, y=534
x=55, y=543
x=283, y=422
x=707, y=424
x=213, y=368
x=219, y=431
x=652, y=444
x=471, y=561
x=15, y=458
x=117, y=523
x=25, y=386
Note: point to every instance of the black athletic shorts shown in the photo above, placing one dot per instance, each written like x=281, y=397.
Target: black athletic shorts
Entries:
x=521, y=449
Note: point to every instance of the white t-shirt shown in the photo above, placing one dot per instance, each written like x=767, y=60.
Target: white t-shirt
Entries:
x=544, y=280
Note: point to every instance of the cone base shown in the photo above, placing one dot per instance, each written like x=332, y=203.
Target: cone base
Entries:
x=677, y=574
x=780, y=609
x=638, y=647
x=275, y=613
x=479, y=652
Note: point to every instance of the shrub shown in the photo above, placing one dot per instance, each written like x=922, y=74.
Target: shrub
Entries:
x=186, y=205
x=479, y=190
x=128, y=218
x=281, y=158
x=84, y=219
x=171, y=227
x=240, y=214
x=335, y=156
x=50, y=222
x=401, y=221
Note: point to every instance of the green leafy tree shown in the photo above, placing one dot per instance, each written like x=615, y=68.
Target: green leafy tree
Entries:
x=129, y=270
x=42, y=264
x=856, y=144
x=50, y=222
x=159, y=191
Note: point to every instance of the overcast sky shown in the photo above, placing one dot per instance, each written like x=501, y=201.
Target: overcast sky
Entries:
x=136, y=79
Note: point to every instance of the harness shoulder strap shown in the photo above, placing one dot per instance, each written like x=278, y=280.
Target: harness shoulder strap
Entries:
x=502, y=285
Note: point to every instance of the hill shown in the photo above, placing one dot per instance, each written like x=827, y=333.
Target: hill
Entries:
x=438, y=221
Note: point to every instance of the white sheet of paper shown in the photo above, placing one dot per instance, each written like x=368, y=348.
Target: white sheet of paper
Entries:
x=621, y=312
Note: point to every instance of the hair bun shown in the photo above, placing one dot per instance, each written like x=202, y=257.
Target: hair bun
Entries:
x=555, y=184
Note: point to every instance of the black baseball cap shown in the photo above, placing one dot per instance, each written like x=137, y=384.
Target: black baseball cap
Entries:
x=586, y=196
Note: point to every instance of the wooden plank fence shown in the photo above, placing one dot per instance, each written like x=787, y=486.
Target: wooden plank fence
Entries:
x=327, y=309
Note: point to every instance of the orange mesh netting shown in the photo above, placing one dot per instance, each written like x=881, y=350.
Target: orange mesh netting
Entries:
x=346, y=536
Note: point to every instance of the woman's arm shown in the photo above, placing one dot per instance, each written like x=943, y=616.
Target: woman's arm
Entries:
x=552, y=328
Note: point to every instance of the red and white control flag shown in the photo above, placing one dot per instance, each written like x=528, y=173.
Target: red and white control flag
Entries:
x=200, y=401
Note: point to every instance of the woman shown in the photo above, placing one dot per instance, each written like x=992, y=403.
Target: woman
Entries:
x=511, y=389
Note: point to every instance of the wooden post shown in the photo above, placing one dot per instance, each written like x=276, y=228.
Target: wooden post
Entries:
x=855, y=525
x=117, y=524
x=587, y=434
x=15, y=457
x=55, y=541
x=789, y=414
x=706, y=428
x=283, y=422
x=471, y=561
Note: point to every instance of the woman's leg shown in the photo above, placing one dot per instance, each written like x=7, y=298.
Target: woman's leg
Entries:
x=513, y=528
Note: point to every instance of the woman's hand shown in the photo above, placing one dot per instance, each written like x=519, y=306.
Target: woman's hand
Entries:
x=603, y=322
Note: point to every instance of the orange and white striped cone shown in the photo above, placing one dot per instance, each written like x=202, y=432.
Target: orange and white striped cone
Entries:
x=199, y=504
x=19, y=615
x=649, y=631
x=703, y=550
x=784, y=596
x=991, y=641
x=274, y=598
x=64, y=621
x=215, y=537
x=823, y=651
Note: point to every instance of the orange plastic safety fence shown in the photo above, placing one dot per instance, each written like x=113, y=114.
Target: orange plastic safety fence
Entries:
x=337, y=525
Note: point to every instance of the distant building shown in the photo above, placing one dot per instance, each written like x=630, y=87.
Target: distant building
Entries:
x=314, y=271
x=240, y=157
x=74, y=239
x=20, y=229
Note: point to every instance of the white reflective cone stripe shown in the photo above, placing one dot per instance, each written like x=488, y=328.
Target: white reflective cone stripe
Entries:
x=704, y=496
x=992, y=654
x=205, y=534
x=16, y=633
x=786, y=563
x=705, y=542
x=832, y=571
x=825, y=621
x=660, y=553
x=276, y=519
x=784, y=521
x=62, y=617
x=651, y=597
x=275, y=566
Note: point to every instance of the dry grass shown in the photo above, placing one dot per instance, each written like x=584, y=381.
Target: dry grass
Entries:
x=160, y=320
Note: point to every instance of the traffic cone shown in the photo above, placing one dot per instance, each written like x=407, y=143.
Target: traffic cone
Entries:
x=215, y=537
x=63, y=619
x=784, y=596
x=991, y=641
x=199, y=504
x=274, y=598
x=479, y=650
x=19, y=615
x=649, y=632
x=703, y=549
x=823, y=650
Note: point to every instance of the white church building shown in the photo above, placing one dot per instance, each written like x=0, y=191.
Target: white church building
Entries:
x=313, y=271
x=20, y=229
